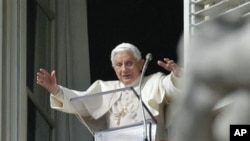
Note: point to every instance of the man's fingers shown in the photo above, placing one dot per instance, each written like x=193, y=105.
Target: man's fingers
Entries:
x=53, y=73
x=166, y=59
x=164, y=65
x=44, y=71
x=40, y=75
x=39, y=82
x=43, y=76
x=160, y=63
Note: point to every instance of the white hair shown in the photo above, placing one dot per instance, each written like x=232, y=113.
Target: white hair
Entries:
x=126, y=47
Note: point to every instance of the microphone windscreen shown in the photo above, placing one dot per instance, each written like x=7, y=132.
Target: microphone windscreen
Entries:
x=149, y=56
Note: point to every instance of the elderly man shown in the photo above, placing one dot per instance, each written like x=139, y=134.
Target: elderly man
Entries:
x=156, y=89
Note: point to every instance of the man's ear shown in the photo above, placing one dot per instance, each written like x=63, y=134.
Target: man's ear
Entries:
x=141, y=63
x=113, y=66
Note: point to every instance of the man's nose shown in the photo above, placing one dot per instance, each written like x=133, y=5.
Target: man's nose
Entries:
x=124, y=67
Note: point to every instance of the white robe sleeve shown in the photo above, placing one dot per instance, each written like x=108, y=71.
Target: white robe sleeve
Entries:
x=169, y=84
x=158, y=88
x=95, y=108
x=61, y=101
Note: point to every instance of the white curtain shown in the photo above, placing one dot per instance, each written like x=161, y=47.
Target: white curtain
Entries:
x=72, y=63
x=70, y=58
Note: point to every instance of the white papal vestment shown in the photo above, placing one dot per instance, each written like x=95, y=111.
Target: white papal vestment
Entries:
x=157, y=90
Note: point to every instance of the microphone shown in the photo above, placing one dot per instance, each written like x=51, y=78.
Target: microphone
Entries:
x=148, y=58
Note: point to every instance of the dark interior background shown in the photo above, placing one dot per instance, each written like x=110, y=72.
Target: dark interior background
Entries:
x=153, y=26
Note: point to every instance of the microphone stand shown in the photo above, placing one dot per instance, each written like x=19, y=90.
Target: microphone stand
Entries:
x=148, y=58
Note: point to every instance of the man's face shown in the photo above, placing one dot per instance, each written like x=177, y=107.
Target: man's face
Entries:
x=126, y=67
